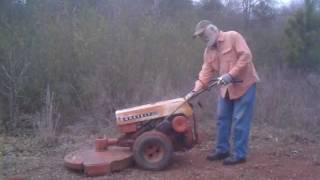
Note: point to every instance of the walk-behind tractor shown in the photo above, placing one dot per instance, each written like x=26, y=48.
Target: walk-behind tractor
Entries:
x=151, y=133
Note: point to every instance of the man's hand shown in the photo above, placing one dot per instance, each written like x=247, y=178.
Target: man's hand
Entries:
x=189, y=95
x=225, y=79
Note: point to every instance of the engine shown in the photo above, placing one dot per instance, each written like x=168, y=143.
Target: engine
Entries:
x=129, y=120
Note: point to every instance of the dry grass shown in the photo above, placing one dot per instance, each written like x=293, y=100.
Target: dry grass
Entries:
x=288, y=99
x=47, y=120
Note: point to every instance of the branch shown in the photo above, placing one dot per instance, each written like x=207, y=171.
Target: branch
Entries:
x=6, y=86
x=6, y=73
x=24, y=69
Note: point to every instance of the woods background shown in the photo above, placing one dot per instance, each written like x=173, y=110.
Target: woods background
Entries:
x=65, y=62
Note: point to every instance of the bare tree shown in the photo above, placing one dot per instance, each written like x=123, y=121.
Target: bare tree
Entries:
x=247, y=9
x=14, y=75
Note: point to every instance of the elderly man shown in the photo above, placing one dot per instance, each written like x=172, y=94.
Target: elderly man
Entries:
x=228, y=54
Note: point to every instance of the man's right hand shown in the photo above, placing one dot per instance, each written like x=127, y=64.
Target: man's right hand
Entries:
x=189, y=95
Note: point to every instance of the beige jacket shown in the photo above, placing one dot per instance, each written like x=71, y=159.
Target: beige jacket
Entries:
x=232, y=55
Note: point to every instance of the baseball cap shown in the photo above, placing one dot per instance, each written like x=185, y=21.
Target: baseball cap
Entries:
x=201, y=26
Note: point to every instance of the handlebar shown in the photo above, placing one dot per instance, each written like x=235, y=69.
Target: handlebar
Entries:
x=212, y=83
x=232, y=81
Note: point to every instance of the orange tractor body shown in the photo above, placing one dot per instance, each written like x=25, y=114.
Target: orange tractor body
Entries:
x=151, y=133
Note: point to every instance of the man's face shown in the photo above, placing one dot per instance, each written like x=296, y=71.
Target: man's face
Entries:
x=209, y=36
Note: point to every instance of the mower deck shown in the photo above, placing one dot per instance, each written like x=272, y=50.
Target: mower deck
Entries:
x=95, y=163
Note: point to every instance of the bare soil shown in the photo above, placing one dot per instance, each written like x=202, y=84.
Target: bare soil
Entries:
x=274, y=154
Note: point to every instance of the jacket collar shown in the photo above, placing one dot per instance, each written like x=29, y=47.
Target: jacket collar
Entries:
x=221, y=36
x=219, y=40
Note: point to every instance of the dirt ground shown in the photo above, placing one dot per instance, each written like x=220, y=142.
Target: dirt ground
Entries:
x=274, y=154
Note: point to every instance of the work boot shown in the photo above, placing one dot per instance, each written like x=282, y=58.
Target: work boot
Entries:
x=233, y=160
x=214, y=156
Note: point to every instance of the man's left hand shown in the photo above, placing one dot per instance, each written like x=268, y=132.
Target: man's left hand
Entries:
x=189, y=95
x=225, y=79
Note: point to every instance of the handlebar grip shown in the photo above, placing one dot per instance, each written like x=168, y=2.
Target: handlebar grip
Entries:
x=233, y=80
x=237, y=81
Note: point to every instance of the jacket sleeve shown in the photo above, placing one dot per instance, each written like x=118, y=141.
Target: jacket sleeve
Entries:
x=243, y=54
x=205, y=74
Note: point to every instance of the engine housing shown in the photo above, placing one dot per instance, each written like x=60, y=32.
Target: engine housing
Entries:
x=128, y=120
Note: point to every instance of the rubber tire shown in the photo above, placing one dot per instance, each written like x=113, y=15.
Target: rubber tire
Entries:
x=143, y=140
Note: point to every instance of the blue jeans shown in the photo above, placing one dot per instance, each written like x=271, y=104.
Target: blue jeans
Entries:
x=239, y=113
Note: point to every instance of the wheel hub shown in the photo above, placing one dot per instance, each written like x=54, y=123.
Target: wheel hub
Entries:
x=153, y=152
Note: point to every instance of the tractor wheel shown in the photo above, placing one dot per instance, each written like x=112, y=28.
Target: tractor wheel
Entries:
x=153, y=150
